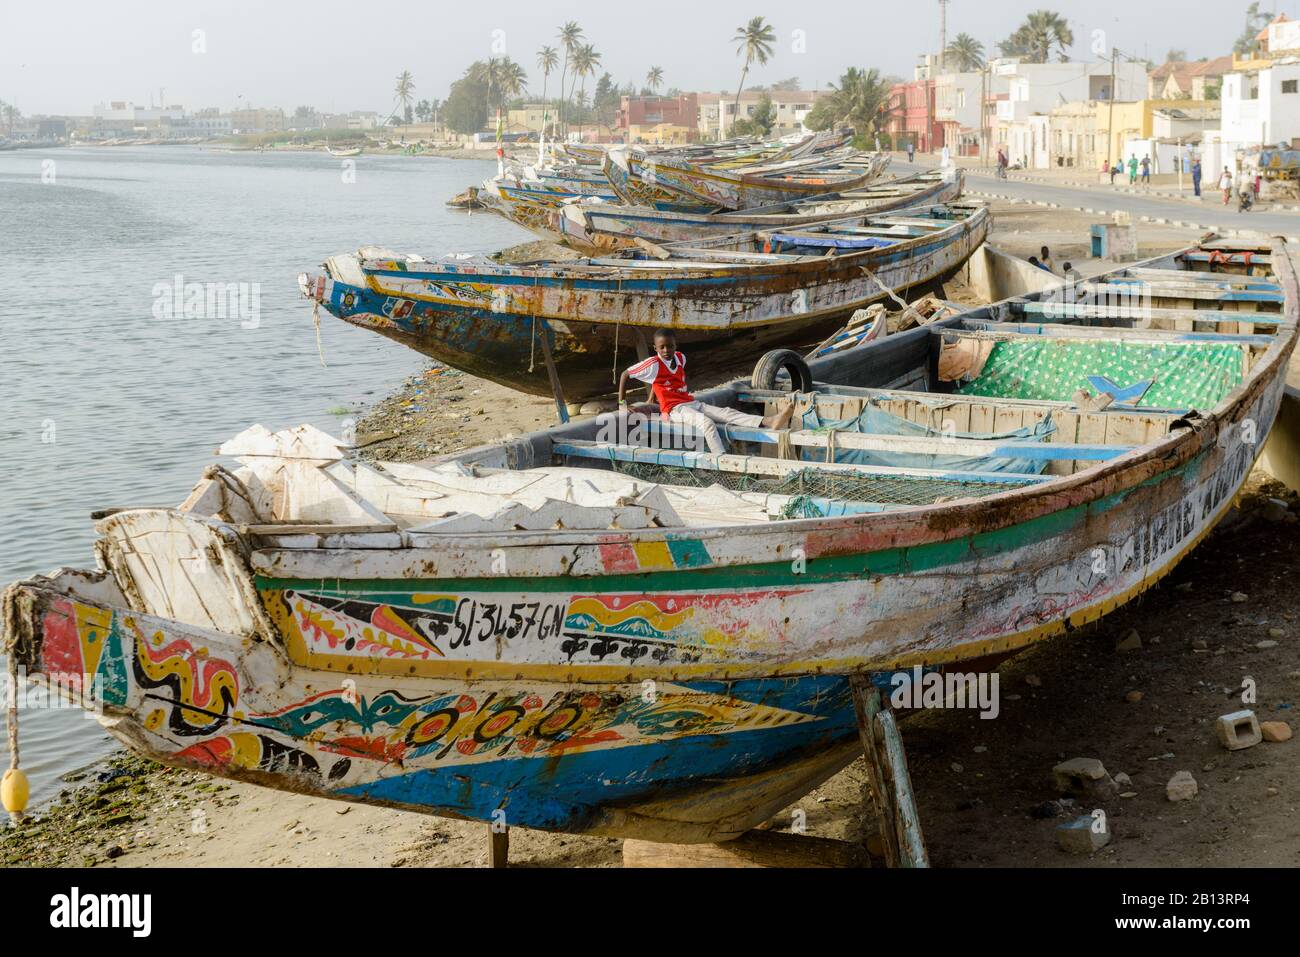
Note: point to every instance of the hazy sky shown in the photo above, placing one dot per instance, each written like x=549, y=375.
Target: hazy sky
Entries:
x=339, y=55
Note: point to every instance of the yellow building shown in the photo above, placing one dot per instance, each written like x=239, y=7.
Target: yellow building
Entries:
x=527, y=120
x=661, y=134
x=1132, y=121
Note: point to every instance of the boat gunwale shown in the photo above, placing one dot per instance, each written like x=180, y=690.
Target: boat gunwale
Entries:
x=960, y=518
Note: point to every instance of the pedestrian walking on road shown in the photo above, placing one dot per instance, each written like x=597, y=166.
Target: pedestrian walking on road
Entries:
x=1225, y=184
x=911, y=151
x=1002, y=164
x=1196, y=176
x=1132, y=169
x=1146, y=171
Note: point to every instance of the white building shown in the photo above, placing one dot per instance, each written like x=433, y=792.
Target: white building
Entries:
x=1262, y=106
x=789, y=107
x=1035, y=89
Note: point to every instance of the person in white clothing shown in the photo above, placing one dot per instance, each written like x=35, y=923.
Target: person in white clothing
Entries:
x=1225, y=184
x=665, y=373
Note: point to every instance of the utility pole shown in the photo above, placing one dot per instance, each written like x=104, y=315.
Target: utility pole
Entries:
x=943, y=36
x=1110, y=119
x=984, y=129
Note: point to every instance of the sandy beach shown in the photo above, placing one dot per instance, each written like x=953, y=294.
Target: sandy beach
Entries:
x=984, y=787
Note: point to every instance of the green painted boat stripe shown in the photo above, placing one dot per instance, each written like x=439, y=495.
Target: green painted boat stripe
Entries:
x=836, y=568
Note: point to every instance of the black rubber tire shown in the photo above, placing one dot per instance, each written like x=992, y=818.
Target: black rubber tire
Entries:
x=765, y=373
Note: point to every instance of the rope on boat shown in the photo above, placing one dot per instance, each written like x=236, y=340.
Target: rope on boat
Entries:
x=315, y=318
x=532, y=344
x=907, y=307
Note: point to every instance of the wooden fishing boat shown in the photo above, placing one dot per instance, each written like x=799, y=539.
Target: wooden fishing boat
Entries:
x=749, y=186
x=593, y=228
x=344, y=153
x=582, y=320
x=588, y=630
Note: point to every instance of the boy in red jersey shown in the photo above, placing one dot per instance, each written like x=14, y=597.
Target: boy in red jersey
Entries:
x=665, y=373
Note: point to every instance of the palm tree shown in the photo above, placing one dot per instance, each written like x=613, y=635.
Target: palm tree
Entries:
x=569, y=36
x=403, y=92
x=585, y=61
x=1034, y=39
x=966, y=53
x=861, y=99
x=655, y=78
x=501, y=77
x=754, y=40
x=547, y=60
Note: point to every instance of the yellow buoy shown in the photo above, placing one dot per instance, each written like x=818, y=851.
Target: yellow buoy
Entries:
x=14, y=791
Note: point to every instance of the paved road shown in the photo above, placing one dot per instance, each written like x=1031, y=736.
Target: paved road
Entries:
x=1210, y=215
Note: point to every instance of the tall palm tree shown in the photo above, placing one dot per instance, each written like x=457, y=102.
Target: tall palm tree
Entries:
x=403, y=93
x=966, y=53
x=655, y=78
x=502, y=79
x=754, y=41
x=861, y=99
x=547, y=61
x=1035, y=38
x=585, y=61
x=569, y=36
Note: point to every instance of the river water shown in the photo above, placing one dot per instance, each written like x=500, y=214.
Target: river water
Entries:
x=108, y=402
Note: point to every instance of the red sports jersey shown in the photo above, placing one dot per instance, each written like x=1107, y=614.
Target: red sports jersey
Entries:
x=668, y=381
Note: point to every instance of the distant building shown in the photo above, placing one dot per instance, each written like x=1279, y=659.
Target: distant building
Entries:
x=957, y=99
x=651, y=111
x=913, y=117
x=257, y=120
x=356, y=120
x=530, y=119
x=1021, y=122
x=662, y=134
x=718, y=114
x=1188, y=80
x=121, y=118
x=1261, y=103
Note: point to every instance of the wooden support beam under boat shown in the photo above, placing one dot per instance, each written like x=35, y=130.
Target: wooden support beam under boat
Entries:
x=557, y=391
x=498, y=845
x=891, y=784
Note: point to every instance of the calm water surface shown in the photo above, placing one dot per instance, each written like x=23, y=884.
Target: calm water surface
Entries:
x=105, y=405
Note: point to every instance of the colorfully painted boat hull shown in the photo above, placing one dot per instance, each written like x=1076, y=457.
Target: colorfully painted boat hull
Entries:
x=489, y=323
x=679, y=684
x=594, y=228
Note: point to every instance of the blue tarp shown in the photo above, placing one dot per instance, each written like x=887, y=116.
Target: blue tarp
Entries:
x=877, y=421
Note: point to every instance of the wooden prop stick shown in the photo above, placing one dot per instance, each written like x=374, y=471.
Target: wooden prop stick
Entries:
x=891, y=785
x=561, y=407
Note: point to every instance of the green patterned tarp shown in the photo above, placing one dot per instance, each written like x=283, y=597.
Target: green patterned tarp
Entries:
x=1187, y=374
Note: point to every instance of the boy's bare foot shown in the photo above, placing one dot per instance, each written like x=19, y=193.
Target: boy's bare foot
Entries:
x=782, y=417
